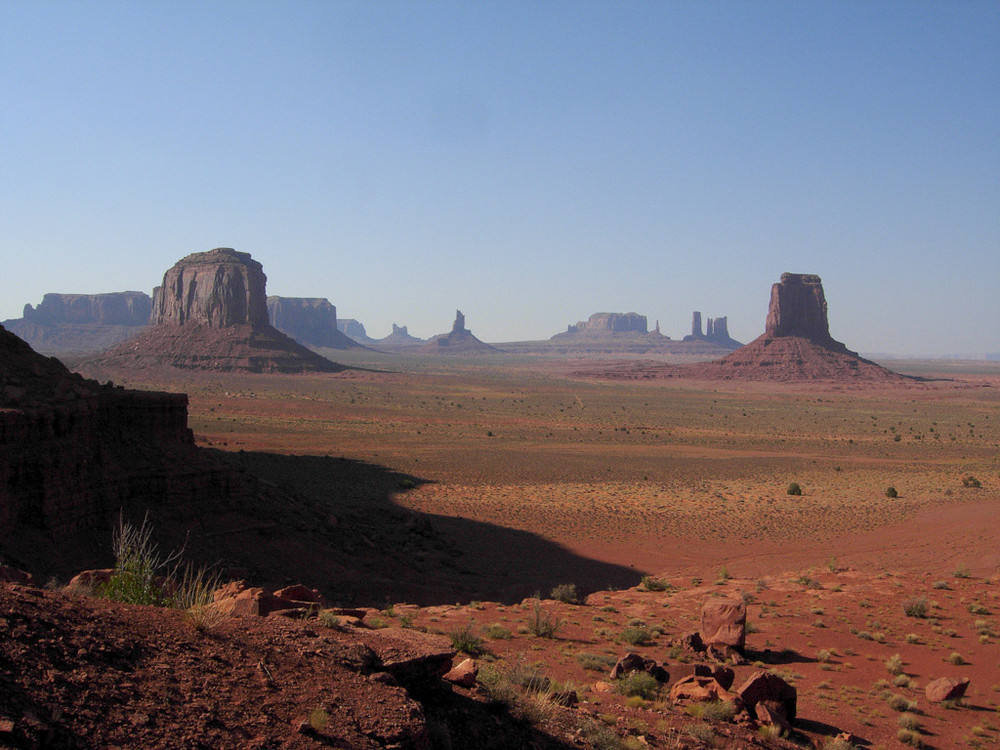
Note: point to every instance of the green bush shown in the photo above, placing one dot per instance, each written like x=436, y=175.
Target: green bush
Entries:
x=498, y=632
x=636, y=636
x=541, y=623
x=465, y=639
x=138, y=564
x=641, y=684
x=595, y=662
x=970, y=481
x=794, y=489
x=650, y=583
x=566, y=593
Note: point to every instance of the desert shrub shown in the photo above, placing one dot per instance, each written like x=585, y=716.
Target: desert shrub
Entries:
x=701, y=732
x=962, y=571
x=641, y=684
x=636, y=636
x=650, y=583
x=541, y=623
x=635, y=701
x=970, y=481
x=955, y=658
x=138, y=563
x=909, y=737
x=498, y=632
x=901, y=680
x=328, y=618
x=940, y=585
x=465, y=639
x=894, y=664
x=718, y=711
x=794, y=489
x=824, y=655
x=890, y=492
x=566, y=593
x=769, y=731
x=838, y=743
x=407, y=484
x=909, y=721
x=916, y=607
x=977, y=609
x=912, y=638
x=595, y=662
x=901, y=703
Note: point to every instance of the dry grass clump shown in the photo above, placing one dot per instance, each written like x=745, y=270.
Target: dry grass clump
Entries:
x=541, y=623
x=918, y=606
x=566, y=593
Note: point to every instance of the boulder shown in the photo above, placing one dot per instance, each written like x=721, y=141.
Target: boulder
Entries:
x=695, y=689
x=774, y=713
x=768, y=688
x=946, y=689
x=723, y=622
x=412, y=657
x=464, y=673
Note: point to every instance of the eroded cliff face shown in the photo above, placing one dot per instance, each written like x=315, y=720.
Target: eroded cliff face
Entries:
x=309, y=320
x=115, y=308
x=798, y=308
x=217, y=288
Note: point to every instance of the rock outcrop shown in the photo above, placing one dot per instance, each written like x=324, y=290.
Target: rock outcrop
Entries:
x=312, y=321
x=355, y=330
x=210, y=313
x=81, y=323
x=73, y=451
x=400, y=338
x=458, y=341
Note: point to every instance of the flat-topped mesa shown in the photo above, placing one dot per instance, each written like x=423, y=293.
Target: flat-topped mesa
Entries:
x=115, y=308
x=798, y=308
x=611, y=323
x=309, y=320
x=218, y=288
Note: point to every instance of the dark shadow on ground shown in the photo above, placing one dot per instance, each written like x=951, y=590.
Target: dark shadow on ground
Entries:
x=785, y=656
x=333, y=524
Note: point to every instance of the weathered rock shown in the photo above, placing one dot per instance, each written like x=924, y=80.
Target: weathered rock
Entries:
x=774, y=713
x=299, y=594
x=766, y=687
x=309, y=320
x=946, y=689
x=696, y=324
x=633, y=662
x=679, y=672
x=723, y=622
x=218, y=288
x=355, y=330
x=250, y=602
x=697, y=689
x=412, y=657
x=399, y=338
x=567, y=698
x=464, y=673
x=692, y=642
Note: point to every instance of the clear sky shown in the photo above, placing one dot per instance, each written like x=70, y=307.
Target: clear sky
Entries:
x=528, y=162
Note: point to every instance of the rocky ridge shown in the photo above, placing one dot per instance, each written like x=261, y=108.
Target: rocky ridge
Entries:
x=459, y=340
x=210, y=313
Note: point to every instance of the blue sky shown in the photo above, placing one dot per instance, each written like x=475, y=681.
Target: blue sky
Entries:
x=527, y=162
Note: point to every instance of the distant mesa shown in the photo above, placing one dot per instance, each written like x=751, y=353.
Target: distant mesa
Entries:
x=210, y=313
x=716, y=331
x=311, y=321
x=457, y=341
x=796, y=345
x=602, y=323
x=81, y=323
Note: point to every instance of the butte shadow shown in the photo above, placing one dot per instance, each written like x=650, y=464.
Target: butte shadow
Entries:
x=362, y=548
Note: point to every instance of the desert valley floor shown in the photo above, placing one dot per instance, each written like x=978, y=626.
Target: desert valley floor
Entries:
x=530, y=475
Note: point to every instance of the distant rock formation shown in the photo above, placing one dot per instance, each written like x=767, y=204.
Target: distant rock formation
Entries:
x=796, y=345
x=210, y=313
x=459, y=341
x=610, y=323
x=355, y=330
x=400, y=338
x=81, y=323
x=716, y=332
x=311, y=321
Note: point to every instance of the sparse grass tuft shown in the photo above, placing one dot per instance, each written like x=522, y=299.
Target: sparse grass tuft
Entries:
x=641, y=684
x=909, y=737
x=138, y=563
x=650, y=583
x=498, y=632
x=595, y=662
x=465, y=639
x=955, y=658
x=636, y=636
x=894, y=664
x=541, y=623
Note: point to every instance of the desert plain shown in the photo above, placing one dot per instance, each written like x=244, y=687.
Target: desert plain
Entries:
x=533, y=476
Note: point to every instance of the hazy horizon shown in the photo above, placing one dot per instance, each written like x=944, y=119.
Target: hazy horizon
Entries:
x=527, y=163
